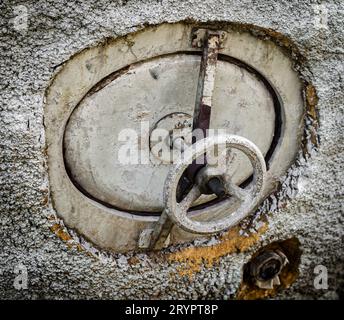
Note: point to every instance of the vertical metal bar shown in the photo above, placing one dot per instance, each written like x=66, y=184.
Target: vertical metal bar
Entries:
x=206, y=81
x=201, y=120
x=204, y=94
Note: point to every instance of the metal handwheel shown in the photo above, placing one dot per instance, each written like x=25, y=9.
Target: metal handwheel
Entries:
x=178, y=212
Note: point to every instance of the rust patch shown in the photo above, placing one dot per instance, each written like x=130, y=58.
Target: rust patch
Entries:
x=64, y=236
x=45, y=201
x=133, y=261
x=192, y=259
x=291, y=248
x=311, y=100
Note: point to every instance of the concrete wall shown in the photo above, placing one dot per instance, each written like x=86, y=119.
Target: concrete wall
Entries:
x=62, y=265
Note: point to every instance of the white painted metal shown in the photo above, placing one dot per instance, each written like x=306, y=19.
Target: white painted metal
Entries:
x=137, y=100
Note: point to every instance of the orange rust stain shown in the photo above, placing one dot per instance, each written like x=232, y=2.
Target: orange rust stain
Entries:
x=192, y=259
x=45, y=200
x=64, y=236
x=57, y=229
x=283, y=40
x=133, y=260
x=312, y=101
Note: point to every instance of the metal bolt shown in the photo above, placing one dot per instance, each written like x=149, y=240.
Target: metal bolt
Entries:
x=266, y=267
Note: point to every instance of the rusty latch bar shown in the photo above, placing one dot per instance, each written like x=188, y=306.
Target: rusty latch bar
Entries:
x=211, y=42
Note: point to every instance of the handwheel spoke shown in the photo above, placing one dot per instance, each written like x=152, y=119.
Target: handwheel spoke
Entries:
x=236, y=191
x=190, y=197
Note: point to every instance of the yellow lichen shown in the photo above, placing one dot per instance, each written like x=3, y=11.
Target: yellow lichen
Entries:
x=192, y=259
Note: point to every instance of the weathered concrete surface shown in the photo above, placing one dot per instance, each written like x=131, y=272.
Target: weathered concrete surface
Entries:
x=58, y=266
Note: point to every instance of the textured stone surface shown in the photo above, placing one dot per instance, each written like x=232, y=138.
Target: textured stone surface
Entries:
x=28, y=228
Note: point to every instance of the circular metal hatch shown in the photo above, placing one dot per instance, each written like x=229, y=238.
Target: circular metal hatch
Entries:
x=141, y=96
x=145, y=78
